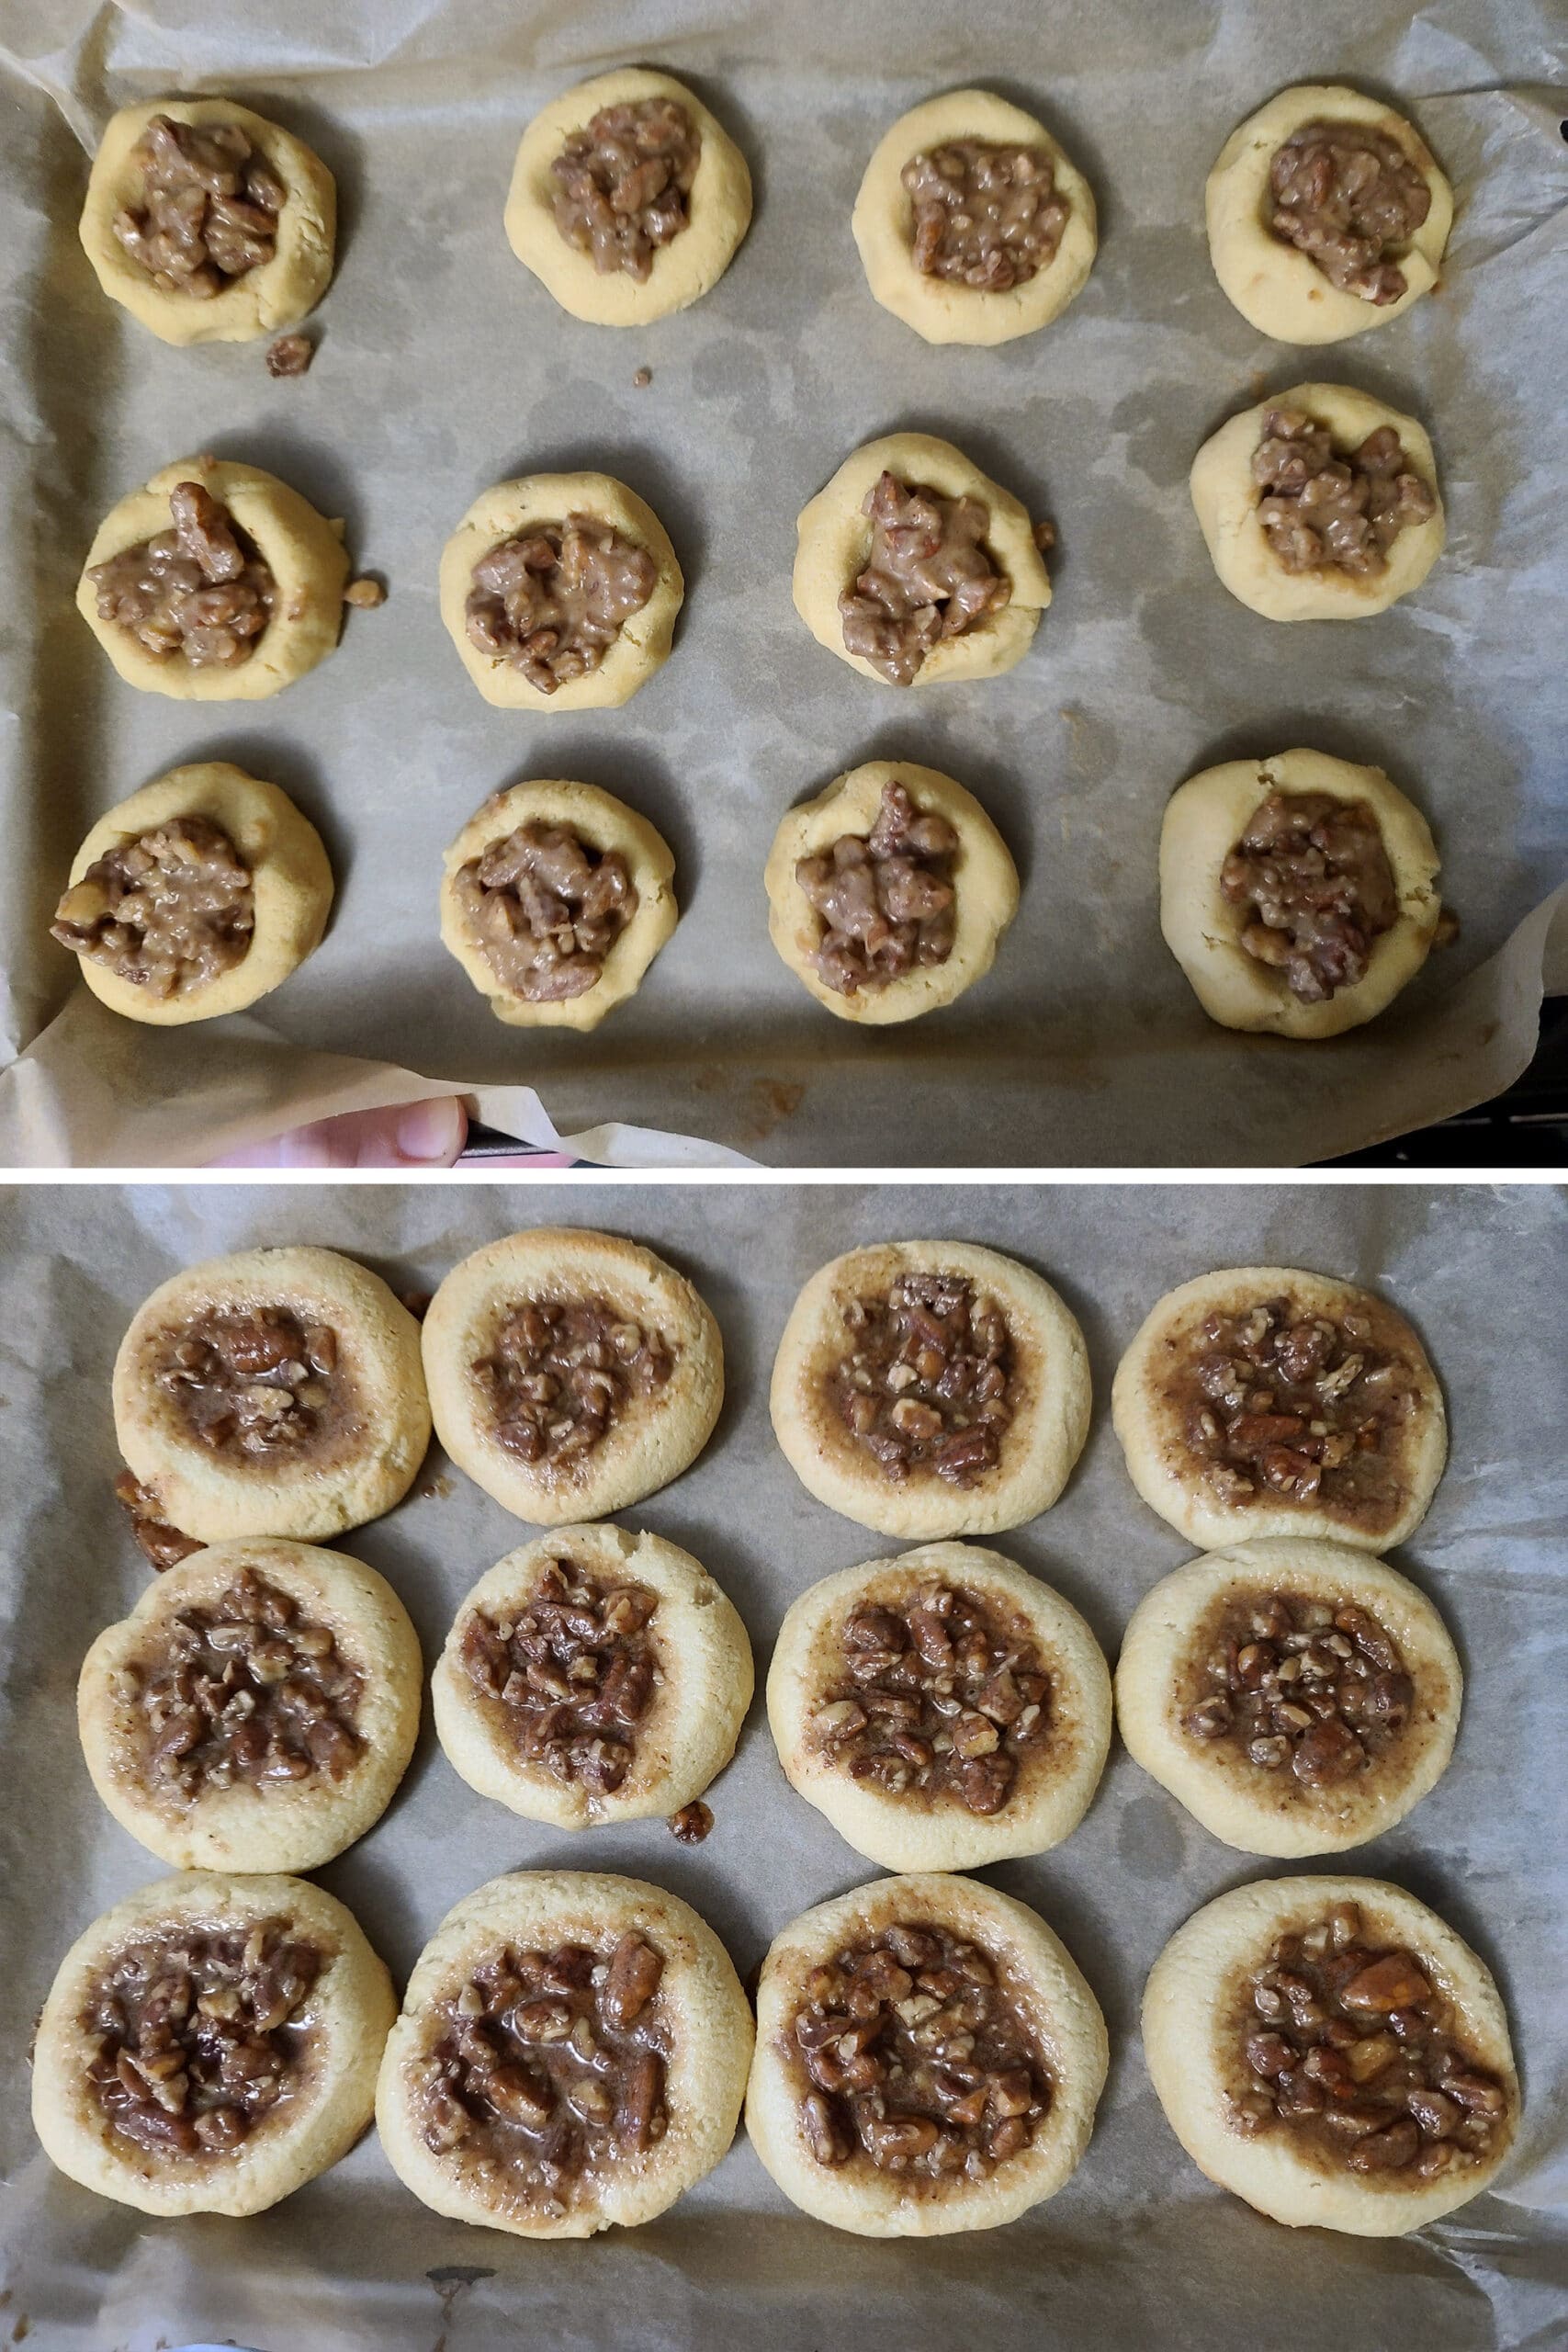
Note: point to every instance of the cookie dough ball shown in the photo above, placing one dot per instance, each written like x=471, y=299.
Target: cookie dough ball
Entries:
x=207, y=222
x=858, y=1996
x=653, y=1661
x=931, y=1388
x=570, y=1372
x=215, y=583
x=571, y=2053
x=1264, y=1401
x=973, y=225
x=555, y=899
x=277, y=1392
x=570, y=218
x=256, y=1709
x=868, y=589
x=210, y=2044
x=1244, y=852
x=888, y=894
x=560, y=592
x=1320, y=504
x=943, y=1709
x=1297, y=1698
x=1326, y=215
x=1329, y=2050
x=196, y=897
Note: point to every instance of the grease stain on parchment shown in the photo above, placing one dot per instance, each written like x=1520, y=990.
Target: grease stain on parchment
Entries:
x=1149, y=1843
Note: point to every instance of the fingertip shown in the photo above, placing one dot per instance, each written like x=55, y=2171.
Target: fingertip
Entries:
x=431, y=1134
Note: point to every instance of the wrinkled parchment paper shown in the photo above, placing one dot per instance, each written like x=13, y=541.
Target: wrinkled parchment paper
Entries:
x=443, y=366
x=1137, y=2250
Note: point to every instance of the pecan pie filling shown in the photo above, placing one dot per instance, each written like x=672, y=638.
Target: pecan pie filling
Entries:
x=200, y=594
x=886, y=898
x=624, y=184
x=209, y=209
x=1277, y=1400
x=928, y=1383
x=243, y=1689
x=918, y=2060
x=1350, y=2047
x=551, y=601
x=1326, y=512
x=573, y=1671
x=928, y=576
x=1315, y=887
x=937, y=1695
x=1318, y=1687
x=545, y=2069
x=168, y=911
x=546, y=910
x=254, y=1380
x=559, y=1371
x=984, y=215
x=1344, y=195
x=199, y=2034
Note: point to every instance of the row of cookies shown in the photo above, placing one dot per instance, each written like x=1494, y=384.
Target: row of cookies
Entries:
x=573, y=2049
x=942, y=1708
x=923, y=1388
x=218, y=583
x=1326, y=214
x=1298, y=893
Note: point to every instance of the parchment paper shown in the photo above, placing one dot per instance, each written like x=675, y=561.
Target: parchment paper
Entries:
x=443, y=366
x=1138, y=2250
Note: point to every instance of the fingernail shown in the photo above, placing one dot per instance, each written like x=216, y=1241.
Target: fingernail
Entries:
x=428, y=1130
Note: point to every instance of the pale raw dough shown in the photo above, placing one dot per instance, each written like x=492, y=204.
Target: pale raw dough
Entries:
x=1226, y=499
x=277, y=294
x=304, y=551
x=835, y=539
x=601, y=822
x=1191, y=2042
x=938, y=308
x=1169, y=1477
x=686, y=1736
x=291, y=883
x=1036, y=1970
x=1039, y=1446
x=651, y=1439
x=1261, y=1810
x=984, y=878
x=718, y=209
x=705, y=2064
x=1276, y=288
x=528, y=504
x=1205, y=819
x=363, y=1468
x=270, y=1825
x=348, y=2014
x=1056, y=1777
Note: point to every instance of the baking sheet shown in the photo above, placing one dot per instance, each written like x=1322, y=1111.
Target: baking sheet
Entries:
x=442, y=368
x=1138, y=2249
